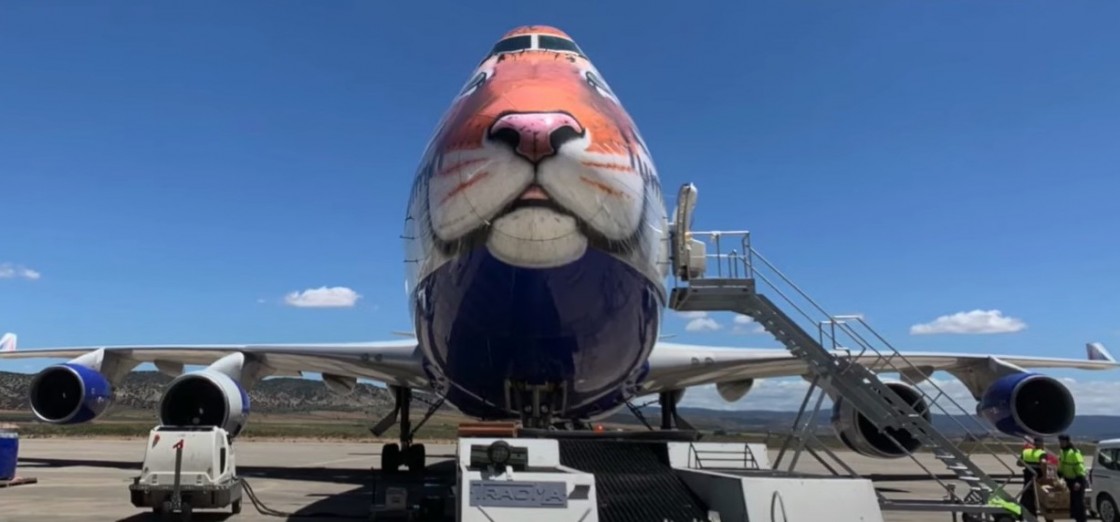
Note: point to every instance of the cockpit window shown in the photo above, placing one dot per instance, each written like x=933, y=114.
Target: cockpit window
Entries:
x=525, y=42
x=516, y=43
x=555, y=43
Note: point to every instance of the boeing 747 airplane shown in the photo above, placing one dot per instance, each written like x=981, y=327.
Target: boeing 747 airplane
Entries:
x=537, y=246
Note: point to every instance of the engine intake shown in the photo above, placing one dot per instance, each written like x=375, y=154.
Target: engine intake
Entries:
x=205, y=398
x=1028, y=404
x=861, y=436
x=69, y=394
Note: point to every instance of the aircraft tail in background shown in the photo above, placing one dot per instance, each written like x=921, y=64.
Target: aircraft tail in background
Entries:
x=8, y=342
x=1097, y=352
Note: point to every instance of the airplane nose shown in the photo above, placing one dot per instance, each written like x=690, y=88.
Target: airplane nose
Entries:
x=536, y=135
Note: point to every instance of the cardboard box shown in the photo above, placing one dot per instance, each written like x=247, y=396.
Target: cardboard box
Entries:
x=1054, y=496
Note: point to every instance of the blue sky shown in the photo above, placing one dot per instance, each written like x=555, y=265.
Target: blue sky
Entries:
x=171, y=173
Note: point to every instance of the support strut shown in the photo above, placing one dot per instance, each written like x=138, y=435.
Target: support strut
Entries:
x=405, y=452
x=670, y=418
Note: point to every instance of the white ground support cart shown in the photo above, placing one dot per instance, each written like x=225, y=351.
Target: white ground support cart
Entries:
x=187, y=468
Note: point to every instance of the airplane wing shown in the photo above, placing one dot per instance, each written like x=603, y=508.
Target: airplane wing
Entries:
x=677, y=366
x=393, y=362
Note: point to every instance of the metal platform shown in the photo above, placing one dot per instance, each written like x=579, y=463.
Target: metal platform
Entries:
x=721, y=271
x=619, y=480
x=614, y=479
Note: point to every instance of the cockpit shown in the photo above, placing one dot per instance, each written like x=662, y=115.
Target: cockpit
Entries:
x=534, y=42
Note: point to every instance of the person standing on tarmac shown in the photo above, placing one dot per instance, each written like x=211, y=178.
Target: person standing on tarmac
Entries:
x=1071, y=467
x=1031, y=460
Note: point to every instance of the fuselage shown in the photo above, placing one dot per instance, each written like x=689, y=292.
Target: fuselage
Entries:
x=536, y=238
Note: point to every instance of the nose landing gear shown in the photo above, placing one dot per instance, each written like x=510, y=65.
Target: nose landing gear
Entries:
x=536, y=402
x=406, y=453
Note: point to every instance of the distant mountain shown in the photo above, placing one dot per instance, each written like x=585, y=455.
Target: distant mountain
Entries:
x=756, y=421
x=141, y=391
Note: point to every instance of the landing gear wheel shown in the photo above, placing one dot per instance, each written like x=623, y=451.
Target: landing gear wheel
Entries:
x=415, y=457
x=236, y=507
x=390, y=457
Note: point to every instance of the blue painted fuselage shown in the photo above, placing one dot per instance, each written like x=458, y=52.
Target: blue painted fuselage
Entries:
x=587, y=325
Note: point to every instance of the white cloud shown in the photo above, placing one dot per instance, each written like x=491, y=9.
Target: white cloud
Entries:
x=702, y=324
x=1090, y=397
x=743, y=325
x=692, y=315
x=12, y=271
x=699, y=322
x=974, y=322
x=323, y=297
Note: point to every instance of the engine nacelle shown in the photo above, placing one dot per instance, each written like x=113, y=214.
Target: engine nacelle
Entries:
x=1028, y=404
x=340, y=385
x=69, y=394
x=735, y=390
x=863, y=437
x=205, y=398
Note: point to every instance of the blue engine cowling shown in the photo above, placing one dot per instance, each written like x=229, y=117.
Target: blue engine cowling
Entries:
x=205, y=398
x=69, y=394
x=1028, y=404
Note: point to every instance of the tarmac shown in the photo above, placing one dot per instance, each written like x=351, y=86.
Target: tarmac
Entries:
x=87, y=479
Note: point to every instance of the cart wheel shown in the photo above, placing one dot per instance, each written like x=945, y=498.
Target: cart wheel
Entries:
x=186, y=512
x=1005, y=518
x=164, y=511
x=236, y=507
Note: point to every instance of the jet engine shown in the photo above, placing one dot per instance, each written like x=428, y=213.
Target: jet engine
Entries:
x=69, y=394
x=735, y=390
x=205, y=398
x=1027, y=403
x=863, y=437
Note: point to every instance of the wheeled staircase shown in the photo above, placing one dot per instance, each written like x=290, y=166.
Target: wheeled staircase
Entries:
x=733, y=289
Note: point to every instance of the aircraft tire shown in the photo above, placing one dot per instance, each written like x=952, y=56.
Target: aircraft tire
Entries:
x=415, y=458
x=390, y=457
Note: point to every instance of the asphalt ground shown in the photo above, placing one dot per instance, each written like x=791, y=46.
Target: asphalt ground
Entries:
x=87, y=479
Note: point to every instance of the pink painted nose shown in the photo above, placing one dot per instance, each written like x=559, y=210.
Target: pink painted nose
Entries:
x=536, y=135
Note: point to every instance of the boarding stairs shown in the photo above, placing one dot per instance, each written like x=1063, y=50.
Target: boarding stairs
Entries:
x=733, y=288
